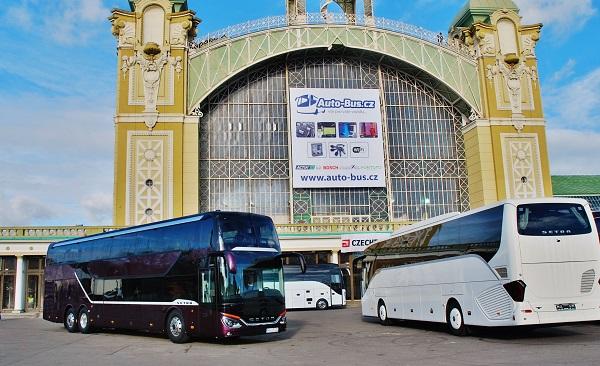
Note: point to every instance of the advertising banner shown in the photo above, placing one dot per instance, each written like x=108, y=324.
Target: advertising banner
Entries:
x=359, y=242
x=336, y=138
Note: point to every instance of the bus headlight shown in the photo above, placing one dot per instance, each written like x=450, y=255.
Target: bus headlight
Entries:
x=230, y=322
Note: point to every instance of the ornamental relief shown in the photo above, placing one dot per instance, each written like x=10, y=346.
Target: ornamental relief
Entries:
x=148, y=84
x=513, y=85
x=149, y=195
x=486, y=44
x=522, y=166
x=124, y=32
x=529, y=44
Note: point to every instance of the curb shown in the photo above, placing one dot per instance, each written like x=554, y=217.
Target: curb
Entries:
x=7, y=316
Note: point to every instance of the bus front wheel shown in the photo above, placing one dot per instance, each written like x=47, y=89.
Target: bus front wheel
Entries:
x=455, y=319
x=71, y=320
x=176, y=327
x=382, y=314
x=322, y=304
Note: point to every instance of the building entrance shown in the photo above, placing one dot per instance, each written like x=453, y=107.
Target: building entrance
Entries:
x=7, y=282
x=35, y=283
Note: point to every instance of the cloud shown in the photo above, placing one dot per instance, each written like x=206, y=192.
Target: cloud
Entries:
x=23, y=210
x=57, y=151
x=562, y=17
x=564, y=72
x=570, y=152
x=19, y=16
x=62, y=21
x=575, y=105
x=98, y=207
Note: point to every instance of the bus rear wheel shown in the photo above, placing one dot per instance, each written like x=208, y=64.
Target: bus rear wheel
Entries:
x=455, y=319
x=84, y=321
x=322, y=304
x=176, y=327
x=71, y=320
x=382, y=314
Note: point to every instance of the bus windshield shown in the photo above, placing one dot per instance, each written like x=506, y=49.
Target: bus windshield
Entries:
x=254, y=277
x=543, y=219
x=241, y=230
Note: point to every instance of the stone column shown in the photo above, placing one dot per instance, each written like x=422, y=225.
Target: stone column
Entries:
x=20, y=285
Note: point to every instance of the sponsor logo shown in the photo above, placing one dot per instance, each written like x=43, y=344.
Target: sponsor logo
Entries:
x=305, y=167
x=311, y=104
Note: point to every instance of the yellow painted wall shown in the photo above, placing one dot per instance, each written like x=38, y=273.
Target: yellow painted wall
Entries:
x=480, y=166
x=190, y=169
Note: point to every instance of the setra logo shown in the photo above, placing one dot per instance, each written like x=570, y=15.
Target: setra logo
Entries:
x=346, y=243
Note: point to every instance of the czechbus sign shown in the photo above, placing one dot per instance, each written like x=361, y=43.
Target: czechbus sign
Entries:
x=359, y=242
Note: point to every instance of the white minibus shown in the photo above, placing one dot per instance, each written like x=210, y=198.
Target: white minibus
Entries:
x=320, y=287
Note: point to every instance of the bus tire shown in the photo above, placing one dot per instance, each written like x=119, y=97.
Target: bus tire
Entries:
x=382, y=314
x=322, y=304
x=176, y=327
x=84, y=321
x=71, y=320
x=455, y=319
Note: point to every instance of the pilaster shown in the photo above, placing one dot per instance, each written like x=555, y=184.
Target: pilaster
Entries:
x=506, y=145
x=151, y=111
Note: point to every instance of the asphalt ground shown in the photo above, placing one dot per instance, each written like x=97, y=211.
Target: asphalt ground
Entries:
x=331, y=337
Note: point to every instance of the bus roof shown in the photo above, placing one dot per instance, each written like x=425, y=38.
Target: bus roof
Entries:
x=150, y=226
x=454, y=215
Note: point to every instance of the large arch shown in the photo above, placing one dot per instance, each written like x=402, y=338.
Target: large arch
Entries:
x=244, y=147
x=215, y=61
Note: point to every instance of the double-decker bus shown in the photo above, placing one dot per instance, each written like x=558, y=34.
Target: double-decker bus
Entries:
x=321, y=286
x=217, y=274
x=517, y=262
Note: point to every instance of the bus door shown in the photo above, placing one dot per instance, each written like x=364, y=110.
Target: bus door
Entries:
x=337, y=289
x=207, y=312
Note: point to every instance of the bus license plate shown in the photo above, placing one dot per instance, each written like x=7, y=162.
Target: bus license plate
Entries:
x=563, y=307
x=272, y=330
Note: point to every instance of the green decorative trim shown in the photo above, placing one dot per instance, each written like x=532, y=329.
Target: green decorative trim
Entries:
x=213, y=65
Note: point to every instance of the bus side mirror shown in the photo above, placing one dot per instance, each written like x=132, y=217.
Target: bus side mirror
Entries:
x=300, y=257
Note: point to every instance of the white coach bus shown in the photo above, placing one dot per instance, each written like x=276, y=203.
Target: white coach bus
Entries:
x=517, y=262
x=320, y=287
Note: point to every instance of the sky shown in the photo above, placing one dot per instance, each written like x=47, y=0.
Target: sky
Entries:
x=58, y=72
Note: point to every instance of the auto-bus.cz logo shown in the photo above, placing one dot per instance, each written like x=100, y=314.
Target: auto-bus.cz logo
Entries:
x=311, y=104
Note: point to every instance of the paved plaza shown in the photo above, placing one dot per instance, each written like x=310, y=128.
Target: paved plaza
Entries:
x=334, y=337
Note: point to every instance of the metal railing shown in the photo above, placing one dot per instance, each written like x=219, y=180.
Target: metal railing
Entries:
x=282, y=21
x=62, y=232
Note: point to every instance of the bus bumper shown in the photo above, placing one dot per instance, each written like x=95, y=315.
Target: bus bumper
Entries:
x=253, y=330
x=548, y=314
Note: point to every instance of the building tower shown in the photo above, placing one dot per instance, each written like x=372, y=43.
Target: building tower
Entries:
x=506, y=146
x=155, y=143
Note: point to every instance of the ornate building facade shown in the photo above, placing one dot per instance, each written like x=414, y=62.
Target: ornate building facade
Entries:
x=204, y=121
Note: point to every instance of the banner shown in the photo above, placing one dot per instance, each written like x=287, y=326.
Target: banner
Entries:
x=359, y=242
x=336, y=138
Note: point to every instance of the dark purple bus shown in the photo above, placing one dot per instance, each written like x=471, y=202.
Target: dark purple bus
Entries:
x=217, y=274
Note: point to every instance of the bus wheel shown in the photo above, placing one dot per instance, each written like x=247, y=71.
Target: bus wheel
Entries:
x=71, y=320
x=176, y=327
x=382, y=314
x=455, y=319
x=322, y=304
x=84, y=321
